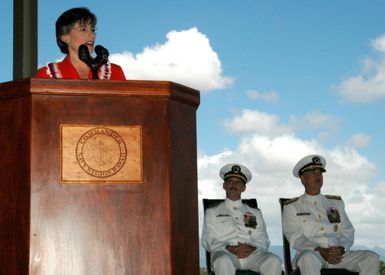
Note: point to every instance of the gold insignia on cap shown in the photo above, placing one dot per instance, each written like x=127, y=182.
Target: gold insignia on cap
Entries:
x=315, y=163
x=308, y=163
x=316, y=160
x=235, y=170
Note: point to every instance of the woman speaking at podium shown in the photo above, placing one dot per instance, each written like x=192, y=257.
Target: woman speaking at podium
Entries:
x=75, y=36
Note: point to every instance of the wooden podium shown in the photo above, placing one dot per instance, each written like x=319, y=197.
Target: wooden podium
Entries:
x=98, y=177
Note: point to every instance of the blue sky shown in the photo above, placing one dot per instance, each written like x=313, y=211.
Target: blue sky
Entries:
x=278, y=80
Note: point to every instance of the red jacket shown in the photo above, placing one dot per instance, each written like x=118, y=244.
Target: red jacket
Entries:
x=65, y=69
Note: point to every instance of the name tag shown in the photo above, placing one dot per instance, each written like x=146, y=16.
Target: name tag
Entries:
x=303, y=214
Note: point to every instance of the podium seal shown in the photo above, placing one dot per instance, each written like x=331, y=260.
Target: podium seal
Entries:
x=101, y=152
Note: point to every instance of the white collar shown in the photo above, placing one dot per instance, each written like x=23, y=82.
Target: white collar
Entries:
x=230, y=203
x=313, y=198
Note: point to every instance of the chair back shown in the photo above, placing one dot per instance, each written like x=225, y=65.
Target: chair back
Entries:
x=286, y=244
x=208, y=203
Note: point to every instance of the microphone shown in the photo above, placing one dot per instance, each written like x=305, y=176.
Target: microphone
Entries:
x=101, y=56
x=84, y=55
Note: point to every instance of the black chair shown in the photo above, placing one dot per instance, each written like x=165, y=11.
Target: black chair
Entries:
x=287, y=256
x=207, y=203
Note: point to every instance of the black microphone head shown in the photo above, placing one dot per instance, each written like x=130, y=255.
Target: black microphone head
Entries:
x=100, y=50
x=84, y=54
x=101, y=56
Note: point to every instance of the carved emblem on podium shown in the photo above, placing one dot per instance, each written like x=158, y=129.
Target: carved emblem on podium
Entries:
x=101, y=154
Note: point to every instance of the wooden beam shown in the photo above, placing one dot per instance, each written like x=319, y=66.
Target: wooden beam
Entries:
x=24, y=38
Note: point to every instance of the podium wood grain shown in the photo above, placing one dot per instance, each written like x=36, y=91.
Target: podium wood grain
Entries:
x=49, y=227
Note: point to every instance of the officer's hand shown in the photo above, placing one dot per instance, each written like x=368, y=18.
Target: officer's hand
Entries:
x=244, y=250
x=232, y=249
x=333, y=255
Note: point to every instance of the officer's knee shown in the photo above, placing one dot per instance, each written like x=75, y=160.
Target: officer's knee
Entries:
x=223, y=258
x=274, y=260
x=372, y=257
x=271, y=262
x=309, y=258
x=223, y=261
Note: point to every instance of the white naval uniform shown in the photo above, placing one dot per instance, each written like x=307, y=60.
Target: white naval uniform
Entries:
x=306, y=225
x=224, y=225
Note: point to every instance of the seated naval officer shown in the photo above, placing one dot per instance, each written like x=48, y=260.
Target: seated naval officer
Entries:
x=318, y=227
x=235, y=233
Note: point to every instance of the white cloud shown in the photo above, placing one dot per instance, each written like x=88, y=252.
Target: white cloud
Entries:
x=359, y=140
x=251, y=121
x=271, y=96
x=270, y=149
x=379, y=43
x=186, y=58
x=324, y=125
x=315, y=119
x=370, y=84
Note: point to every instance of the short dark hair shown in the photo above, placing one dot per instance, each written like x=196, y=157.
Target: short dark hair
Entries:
x=68, y=19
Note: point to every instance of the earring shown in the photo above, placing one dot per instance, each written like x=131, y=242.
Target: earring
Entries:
x=67, y=42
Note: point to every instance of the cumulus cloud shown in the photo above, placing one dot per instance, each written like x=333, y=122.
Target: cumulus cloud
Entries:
x=315, y=119
x=186, y=58
x=359, y=140
x=270, y=149
x=252, y=121
x=370, y=84
x=379, y=44
x=271, y=96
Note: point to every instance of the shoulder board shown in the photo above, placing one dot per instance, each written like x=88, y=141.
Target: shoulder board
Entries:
x=332, y=197
x=290, y=201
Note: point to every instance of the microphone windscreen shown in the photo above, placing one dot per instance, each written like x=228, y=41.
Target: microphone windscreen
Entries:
x=101, y=51
x=83, y=53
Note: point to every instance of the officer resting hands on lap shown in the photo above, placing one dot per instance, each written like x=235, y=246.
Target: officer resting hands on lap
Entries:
x=235, y=233
x=319, y=229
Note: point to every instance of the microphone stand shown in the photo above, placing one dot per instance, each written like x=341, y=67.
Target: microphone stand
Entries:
x=94, y=72
x=84, y=56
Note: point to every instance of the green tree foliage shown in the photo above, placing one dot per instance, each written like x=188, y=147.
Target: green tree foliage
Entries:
x=382, y=268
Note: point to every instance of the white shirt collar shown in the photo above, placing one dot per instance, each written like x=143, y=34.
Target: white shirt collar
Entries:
x=313, y=198
x=230, y=203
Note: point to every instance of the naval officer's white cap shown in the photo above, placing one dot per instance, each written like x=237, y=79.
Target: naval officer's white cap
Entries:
x=307, y=163
x=235, y=170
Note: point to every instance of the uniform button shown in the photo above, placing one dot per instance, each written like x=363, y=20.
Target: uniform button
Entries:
x=249, y=232
x=304, y=221
x=234, y=208
x=315, y=203
x=319, y=216
x=322, y=229
x=236, y=218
